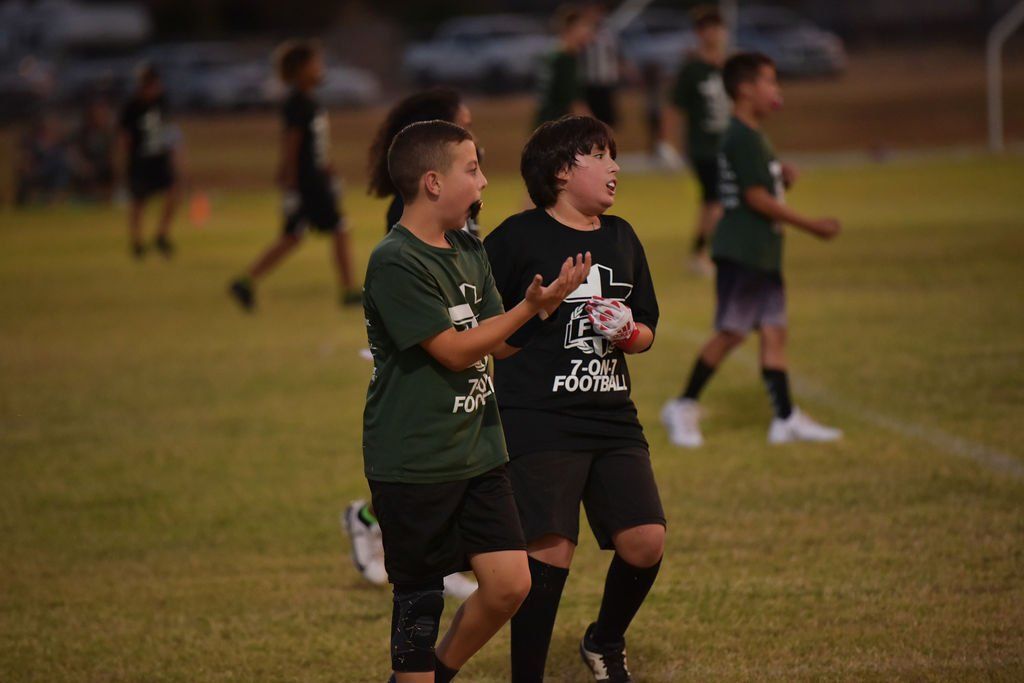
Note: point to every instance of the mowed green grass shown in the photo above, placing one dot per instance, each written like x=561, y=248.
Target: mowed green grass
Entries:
x=171, y=470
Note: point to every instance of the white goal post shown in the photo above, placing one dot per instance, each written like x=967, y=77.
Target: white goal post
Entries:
x=997, y=37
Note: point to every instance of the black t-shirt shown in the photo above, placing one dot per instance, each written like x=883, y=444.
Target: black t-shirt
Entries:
x=568, y=388
x=149, y=142
x=302, y=113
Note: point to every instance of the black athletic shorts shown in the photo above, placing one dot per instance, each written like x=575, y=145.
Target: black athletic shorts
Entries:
x=430, y=530
x=706, y=171
x=616, y=487
x=148, y=178
x=316, y=206
x=747, y=298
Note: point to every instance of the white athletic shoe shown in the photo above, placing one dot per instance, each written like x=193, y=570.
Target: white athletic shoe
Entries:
x=367, y=549
x=459, y=586
x=681, y=417
x=799, y=427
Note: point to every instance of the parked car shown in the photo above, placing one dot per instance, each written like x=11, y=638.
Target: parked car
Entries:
x=658, y=37
x=494, y=52
x=798, y=47
x=343, y=86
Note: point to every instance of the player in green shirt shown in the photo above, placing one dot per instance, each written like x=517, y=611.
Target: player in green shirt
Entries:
x=747, y=250
x=559, y=85
x=433, y=448
x=699, y=95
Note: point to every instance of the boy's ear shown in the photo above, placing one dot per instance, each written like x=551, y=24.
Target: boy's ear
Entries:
x=432, y=182
x=564, y=173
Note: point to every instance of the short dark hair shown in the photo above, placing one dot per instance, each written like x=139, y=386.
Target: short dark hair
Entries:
x=146, y=74
x=291, y=55
x=428, y=105
x=704, y=16
x=553, y=148
x=419, y=148
x=567, y=16
x=743, y=67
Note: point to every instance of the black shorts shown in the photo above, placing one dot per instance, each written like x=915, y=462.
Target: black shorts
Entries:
x=616, y=487
x=706, y=171
x=316, y=206
x=147, y=179
x=431, y=530
x=747, y=298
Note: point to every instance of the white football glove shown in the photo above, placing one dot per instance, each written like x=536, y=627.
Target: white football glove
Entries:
x=613, y=320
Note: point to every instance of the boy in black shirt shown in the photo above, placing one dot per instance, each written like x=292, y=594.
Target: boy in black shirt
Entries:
x=306, y=176
x=150, y=159
x=564, y=394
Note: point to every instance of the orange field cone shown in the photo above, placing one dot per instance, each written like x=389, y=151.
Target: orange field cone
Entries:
x=199, y=209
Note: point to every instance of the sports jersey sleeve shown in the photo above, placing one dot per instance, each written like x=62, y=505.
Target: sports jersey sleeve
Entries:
x=643, y=302
x=409, y=304
x=748, y=161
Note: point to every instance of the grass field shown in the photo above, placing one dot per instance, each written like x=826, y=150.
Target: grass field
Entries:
x=172, y=470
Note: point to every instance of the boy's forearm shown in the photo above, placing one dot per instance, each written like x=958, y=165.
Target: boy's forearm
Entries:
x=644, y=340
x=763, y=202
x=459, y=350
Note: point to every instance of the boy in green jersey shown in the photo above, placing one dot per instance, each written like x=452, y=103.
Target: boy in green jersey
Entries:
x=700, y=96
x=433, y=448
x=559, y=84
x=747, y=251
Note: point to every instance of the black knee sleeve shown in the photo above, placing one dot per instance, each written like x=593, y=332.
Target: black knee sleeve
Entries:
x=415, y=620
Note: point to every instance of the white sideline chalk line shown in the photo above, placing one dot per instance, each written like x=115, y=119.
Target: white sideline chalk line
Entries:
x=989, y=458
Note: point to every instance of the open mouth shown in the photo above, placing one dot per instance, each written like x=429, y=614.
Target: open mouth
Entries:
x=474, y=209
x=611, y=185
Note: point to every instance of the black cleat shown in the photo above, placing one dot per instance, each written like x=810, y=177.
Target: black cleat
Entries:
x=607, y=661
x=241, y=291
x=164, y=246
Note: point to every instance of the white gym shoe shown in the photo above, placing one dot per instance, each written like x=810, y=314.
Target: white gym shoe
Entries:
x=367, y=549
x=681, y=417
x=459, y=586
x=800, y=427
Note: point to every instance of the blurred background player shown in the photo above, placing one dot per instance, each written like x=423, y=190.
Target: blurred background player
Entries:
x=564, y=394
x=305, y=174
x=559, y=86
x=443, y=104
x=747, y=251
x=151, y=159
x=700, y=96
x=40, y=167
x=601, y=66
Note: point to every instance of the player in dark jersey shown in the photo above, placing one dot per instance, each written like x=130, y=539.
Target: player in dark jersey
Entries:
x=442, y=104
x=699, y=95
x=563, y=391
x=559, y=86
x=150, y=164
x=306, y=176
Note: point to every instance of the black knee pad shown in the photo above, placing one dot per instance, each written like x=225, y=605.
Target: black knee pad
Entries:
x=415, y=621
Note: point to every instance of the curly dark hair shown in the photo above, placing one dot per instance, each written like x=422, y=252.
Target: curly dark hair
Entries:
x=436, y=104
x=553, y=147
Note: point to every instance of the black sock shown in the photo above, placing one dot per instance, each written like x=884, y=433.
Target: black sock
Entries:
x=533, y=623
x=777, y=382
x=442, y=674
x=699, y=376
x=624, y=591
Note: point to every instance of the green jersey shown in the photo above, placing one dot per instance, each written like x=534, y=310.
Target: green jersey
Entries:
x=424, y=423
x=699, y=92
x=744, y=235
x=558, y=85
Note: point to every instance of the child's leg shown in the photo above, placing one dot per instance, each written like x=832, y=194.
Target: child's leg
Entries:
x=504, y=578
x=135, y=223
x=773, y=369
x=533, y=624
x=415, y=618
x=707, y=218
x=630, y=576
x=274, y=254
x=342, y=250
x=711, y=355
x=171, y=199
